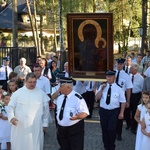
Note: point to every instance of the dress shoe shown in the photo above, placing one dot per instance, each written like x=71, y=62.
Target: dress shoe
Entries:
x=128, y=127
x=89, y=116
x=119, y=138
x=134, y=132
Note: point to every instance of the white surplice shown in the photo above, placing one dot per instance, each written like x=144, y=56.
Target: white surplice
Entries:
x=31, y=109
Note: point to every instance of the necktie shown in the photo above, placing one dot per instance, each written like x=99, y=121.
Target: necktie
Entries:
x=6, y=73
x=90, y=84
x=62, y=108
x=117, y=78
x=132, y=78
x=132, y=82
x=108, y=95
x=127, y=69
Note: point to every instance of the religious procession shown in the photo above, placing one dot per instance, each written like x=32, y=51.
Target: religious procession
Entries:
x=74, y=75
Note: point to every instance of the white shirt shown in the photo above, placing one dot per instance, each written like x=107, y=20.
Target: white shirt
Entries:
x=147, y=72
x=117, y=97
x=128, y=71
x=48, y=74
x=22, y=71
x=81, y=87
x=133, y=60
x=90, y=86
x=73, y=105
x=3, y=72
x=137, y=83
x=66, y=74
x=44, y=84
x=124, y=80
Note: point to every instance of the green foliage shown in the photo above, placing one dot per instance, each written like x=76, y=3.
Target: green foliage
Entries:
x=127, y=20
x=126, y=15
x=5, y=1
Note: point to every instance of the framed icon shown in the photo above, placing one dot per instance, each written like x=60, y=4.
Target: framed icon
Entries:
x=90, y=44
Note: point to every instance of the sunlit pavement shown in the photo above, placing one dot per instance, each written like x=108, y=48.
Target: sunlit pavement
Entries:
x=93, y=136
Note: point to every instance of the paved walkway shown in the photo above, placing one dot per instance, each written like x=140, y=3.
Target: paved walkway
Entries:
x=93, y=136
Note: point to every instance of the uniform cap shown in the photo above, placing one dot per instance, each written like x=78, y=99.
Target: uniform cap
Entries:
x=6, y=58
x=120, y=60
x=110, y=72
x=65, y=80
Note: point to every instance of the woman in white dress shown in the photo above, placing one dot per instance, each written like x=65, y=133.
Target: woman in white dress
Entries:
x=146, y=129
x=5, y=127
x=140, y=112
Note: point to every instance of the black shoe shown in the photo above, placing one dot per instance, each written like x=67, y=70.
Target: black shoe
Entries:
x=128, y=127
x=119, y=138
x=134, y=132
x=89, y=116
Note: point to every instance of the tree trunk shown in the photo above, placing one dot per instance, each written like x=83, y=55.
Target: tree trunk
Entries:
x=61, y=36
x=94, y=6
x=31, y=23
x=36, y=29
x=71, y=10
x=41, y=33
x=144, y=46
x=15, y=24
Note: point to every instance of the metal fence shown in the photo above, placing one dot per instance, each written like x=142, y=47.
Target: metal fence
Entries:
x=15, y=54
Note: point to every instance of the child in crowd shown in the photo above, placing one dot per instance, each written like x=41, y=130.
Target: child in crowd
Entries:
x=12, y=86
x=140, y=112
x=146, y=129
x=5, y=127
x=1, y=91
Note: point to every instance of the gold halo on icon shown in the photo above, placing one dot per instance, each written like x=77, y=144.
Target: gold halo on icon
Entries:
x=97, y=26
x=101, y=39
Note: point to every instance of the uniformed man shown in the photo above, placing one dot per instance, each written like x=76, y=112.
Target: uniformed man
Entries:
x=124, y=81
x=110, y=96
x=71, y=110
x=5, y=70
x=127, y=66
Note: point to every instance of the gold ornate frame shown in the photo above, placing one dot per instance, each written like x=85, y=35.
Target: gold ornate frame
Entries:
x=90, y=44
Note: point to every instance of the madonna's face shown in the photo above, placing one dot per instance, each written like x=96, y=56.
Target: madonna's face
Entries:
x=89, y=32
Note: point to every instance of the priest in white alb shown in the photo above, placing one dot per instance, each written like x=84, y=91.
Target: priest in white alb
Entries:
x=28, y=111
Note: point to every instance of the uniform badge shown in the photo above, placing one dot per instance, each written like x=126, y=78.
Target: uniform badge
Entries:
x=71, y=114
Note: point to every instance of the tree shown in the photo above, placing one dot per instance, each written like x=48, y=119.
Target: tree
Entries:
x=127, y=20
x=32, y=23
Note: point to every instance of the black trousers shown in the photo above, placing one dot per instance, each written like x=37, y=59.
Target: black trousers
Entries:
x=90, y=98
x=119, y=127
x=108, y=120
x=84, y=96
x=71, y=137
x=127, y=116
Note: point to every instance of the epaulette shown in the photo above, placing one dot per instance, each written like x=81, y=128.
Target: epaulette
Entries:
x=119, y=85
x=79, y=96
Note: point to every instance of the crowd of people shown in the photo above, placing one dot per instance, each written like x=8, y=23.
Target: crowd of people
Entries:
x=29, y=94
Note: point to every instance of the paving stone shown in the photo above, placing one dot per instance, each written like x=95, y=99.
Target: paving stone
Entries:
x=93, y=136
